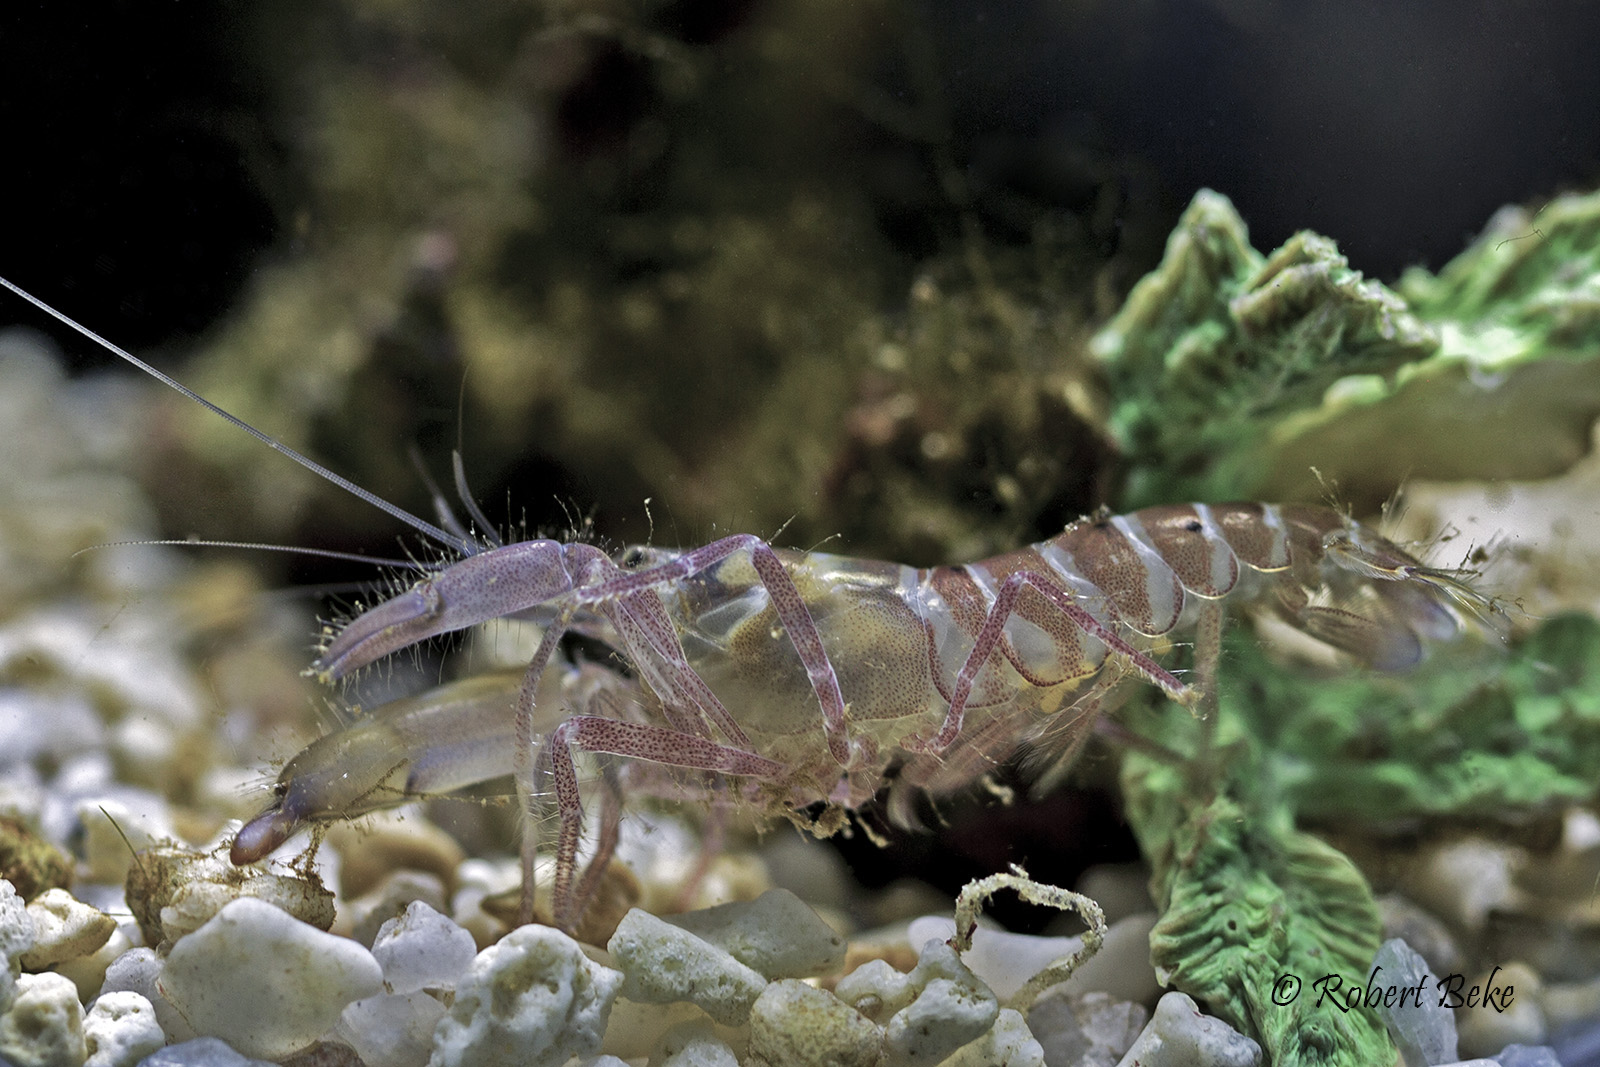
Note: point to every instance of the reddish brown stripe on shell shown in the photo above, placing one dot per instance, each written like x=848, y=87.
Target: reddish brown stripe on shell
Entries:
x=1145, y=593
x=968, y=607
x=1264, y=547
x=1075, y=653
x=1204, y=564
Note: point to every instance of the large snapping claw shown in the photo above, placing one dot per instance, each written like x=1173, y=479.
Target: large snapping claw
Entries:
x=490, y=585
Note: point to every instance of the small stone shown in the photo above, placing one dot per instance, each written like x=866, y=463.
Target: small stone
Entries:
x=88, y=973
x=478, y=880
x=1419, y=929
x=202, y=1052
x=43, y=1027
x=532, y=1000
x=1527, y=1056
x=1425, y=1031
x=392, y=1029
x=64, y=928
x=1569, y=1003
x=1121, y=889
x=115, y=828
x=388, y=841
x=422, y=949
x=120, y=1030
x=1464, y=880
x=1009, y=1043
x=664, y=963
x=390, y=900
x=264, y=981
x=951, y=1008
x=1485, y=1030
x=636, y=1029
x=1179, y=1035
x=692, y=1044
x=776, y=934
x=797, y=1025
x=16, y=925
x=137, y=971
x=1085, y=1029
x=928, y=1014
x=173, y=891
x=1005, y=961
x=811, y=869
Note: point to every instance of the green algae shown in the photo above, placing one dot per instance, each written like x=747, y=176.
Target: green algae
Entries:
x=1235, y=374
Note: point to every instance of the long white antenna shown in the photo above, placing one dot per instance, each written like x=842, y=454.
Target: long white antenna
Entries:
x=423, y=526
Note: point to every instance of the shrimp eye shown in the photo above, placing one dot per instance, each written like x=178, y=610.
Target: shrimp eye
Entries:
x=633, y=557
x=1193, y=526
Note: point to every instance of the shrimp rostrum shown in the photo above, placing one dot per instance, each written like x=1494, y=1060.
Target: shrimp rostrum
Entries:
x=806, y=681
x=803, y=683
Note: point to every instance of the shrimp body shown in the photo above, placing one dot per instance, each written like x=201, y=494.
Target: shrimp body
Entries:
x=805, y=680
x=901, y=640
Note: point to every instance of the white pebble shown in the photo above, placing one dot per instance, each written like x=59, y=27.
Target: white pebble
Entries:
x=777, y=934
x=64, y=928
x=201, y=1052
x=951, y=1007
x=392, y=1029
x=88, y=973
x=263, y=981
x=422, y=949
x=1005, y=961
x=1009, y=1043
x=878, y=991
x=796, y=1025
x=390, y=900
x=120, y=1030
x=1422, y=1029
x=115, y=827
x=692, y=1044
x=1088, y=1029
x=1179, y=1035
x=208, y=882
x=1464, y=880
x=16, y=925
x=664, y=963
x=532, y=1000
x=636, y=1029
x=1485, y=1030
x=136, y=971
x=43, y=1027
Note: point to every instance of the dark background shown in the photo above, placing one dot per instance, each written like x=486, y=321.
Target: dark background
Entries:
x=143, y=173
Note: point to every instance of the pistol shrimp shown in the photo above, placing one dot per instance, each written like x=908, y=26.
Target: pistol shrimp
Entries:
x=802, y=681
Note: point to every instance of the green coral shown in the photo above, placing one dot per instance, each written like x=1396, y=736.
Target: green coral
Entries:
x=1247, y=900
x=1235, y=375
x=1479, y=738
x=1246, y=897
